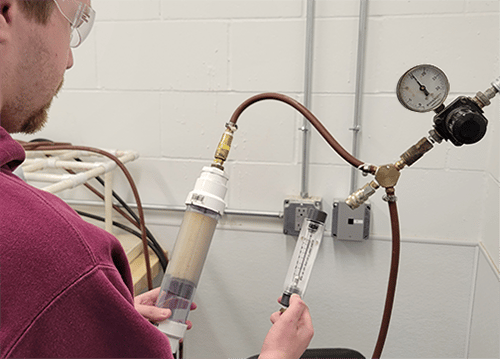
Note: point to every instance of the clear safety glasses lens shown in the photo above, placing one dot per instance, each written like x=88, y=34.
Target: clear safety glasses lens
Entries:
x=80, y=16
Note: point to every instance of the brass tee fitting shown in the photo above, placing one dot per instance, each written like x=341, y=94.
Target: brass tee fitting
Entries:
x=387, y=175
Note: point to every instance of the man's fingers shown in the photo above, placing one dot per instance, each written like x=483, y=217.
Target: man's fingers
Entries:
x=153, y=313
x=275, y=316
x=148, y=297
x=296, y=308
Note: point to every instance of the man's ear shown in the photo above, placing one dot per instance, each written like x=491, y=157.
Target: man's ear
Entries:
x=6, y=12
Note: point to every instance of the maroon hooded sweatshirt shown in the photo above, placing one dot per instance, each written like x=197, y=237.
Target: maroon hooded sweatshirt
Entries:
x=65, y=285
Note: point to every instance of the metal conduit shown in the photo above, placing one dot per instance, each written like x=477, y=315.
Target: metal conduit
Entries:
x=157, y=207
x=309, y=47
x=304, y=193
x=363, y=5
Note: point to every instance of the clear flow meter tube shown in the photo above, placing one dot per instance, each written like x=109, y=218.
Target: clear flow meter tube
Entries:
x=304, y=256
x=205, y=205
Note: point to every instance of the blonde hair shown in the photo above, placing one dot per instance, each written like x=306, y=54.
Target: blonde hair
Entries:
x=38, y=10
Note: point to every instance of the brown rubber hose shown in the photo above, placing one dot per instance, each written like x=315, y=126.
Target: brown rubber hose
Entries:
x=391, y=287
x=307, y=114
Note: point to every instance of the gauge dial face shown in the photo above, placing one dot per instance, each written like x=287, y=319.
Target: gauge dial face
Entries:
x=422, y=88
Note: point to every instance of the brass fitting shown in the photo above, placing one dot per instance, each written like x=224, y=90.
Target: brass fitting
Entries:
x=400, y=165
x=387, y=175
x=367, y=168
x=414, y=153
x=390, y=195
x=361, y=195
x=483, y=99
x=222, y=151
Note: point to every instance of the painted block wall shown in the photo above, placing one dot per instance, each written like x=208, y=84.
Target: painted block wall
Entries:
x=163, y=76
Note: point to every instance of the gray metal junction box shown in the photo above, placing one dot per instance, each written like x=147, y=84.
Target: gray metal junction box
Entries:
x=350, y=224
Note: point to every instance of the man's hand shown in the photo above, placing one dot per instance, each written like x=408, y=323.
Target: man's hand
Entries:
x=291, y=332
x=145, y=304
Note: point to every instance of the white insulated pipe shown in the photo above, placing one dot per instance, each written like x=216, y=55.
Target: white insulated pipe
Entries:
x=67, y=181
x=51, y=162
x=46, y=177
x=39, y=163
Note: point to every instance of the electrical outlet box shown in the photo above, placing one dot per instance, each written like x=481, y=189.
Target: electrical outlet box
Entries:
x=350, y=224
x=295, y=210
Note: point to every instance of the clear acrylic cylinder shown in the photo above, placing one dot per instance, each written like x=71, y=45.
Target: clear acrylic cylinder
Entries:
x=205, y=205
x=189, y=254
x=304, y=256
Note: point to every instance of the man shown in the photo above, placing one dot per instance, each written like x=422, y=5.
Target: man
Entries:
x=66, y=287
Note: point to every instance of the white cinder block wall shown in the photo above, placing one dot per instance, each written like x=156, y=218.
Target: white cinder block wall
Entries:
x=163, y=76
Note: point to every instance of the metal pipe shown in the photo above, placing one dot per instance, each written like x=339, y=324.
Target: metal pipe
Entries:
x=307, y=96
x=158, y=207
x=363, y=4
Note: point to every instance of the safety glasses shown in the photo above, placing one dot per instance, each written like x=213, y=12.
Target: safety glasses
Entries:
x=80, y=16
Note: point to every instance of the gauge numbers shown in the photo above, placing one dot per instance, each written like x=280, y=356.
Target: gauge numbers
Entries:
x=422, y=88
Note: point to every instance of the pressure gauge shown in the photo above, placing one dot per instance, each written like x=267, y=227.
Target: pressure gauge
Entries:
x=422, y=88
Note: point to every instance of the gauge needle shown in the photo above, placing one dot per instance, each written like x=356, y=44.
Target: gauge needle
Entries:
x=422, y=87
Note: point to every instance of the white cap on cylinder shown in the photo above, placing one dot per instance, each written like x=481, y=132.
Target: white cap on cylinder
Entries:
x=174, y=331
x=209, y=190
